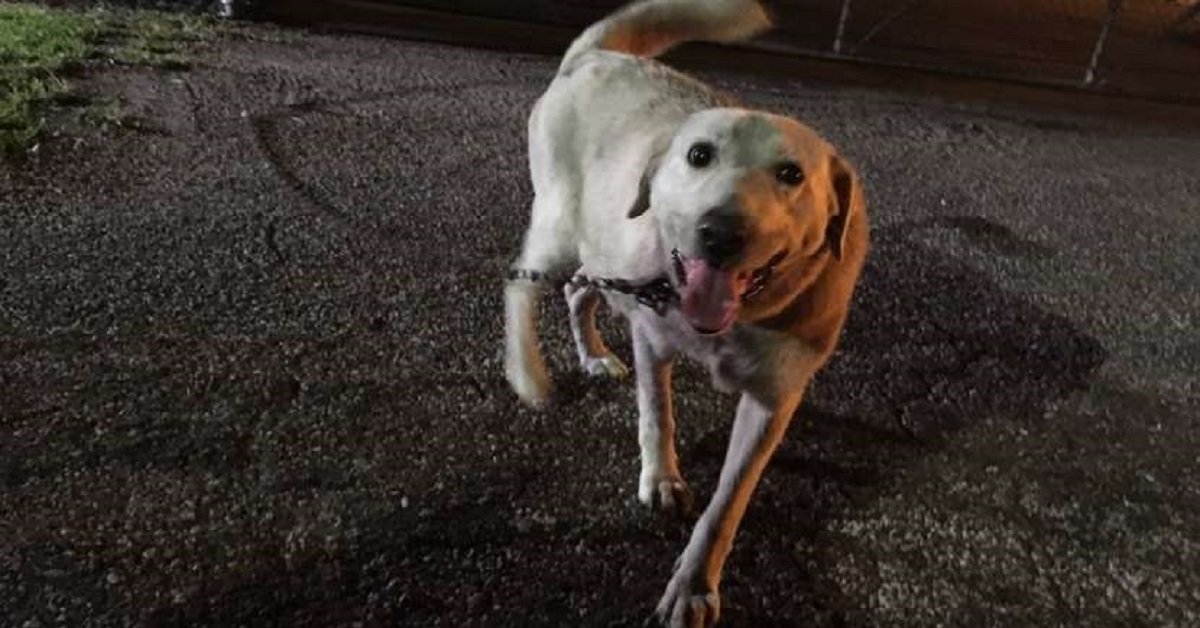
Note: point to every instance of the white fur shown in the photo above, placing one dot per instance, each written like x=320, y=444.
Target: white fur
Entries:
x=609, y=124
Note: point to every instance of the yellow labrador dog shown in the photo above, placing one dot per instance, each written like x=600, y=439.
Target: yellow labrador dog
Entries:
x=729, y=235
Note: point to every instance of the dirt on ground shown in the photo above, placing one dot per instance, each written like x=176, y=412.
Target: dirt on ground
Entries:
x=250, y=367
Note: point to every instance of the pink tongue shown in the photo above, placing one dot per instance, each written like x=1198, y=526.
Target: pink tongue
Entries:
x=711, y=296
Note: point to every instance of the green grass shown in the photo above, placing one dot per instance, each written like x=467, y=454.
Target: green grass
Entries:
x=38, y=46
x=157, y=39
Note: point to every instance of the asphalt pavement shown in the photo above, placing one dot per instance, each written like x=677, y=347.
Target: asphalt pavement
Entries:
x=250, y=367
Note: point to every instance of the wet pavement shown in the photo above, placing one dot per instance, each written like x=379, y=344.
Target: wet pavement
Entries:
x=250, y=372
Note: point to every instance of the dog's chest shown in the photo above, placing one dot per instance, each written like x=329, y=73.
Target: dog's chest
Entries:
x=735, y=360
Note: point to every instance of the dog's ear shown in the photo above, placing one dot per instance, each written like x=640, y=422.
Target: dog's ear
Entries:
x=847, y=200
x=642, y=203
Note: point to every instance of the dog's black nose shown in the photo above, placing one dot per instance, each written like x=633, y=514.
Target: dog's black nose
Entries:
x=722, y=237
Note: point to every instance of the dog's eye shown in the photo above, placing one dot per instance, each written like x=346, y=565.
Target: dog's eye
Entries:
x=789, y=173
x=700, y=154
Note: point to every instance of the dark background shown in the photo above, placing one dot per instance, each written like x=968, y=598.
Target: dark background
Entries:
x=1049, y=42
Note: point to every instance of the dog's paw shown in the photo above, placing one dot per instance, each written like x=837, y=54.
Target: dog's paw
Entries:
x=667, y=493
x=687, y=605
x=605, y=366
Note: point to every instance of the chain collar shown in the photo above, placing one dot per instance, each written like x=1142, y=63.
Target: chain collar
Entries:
x=657, y=294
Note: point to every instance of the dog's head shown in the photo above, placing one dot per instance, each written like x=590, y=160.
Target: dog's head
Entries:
x=739, y=195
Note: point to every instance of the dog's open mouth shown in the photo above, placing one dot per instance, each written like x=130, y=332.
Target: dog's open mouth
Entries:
x=710, y=297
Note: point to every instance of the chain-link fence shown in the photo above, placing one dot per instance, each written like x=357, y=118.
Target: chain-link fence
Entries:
x=1136, y=46
x=1141, y=47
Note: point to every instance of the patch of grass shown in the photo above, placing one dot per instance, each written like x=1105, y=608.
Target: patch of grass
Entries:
x=39, y=37
x=155, y=39
x=36, y=46
x=39, y=45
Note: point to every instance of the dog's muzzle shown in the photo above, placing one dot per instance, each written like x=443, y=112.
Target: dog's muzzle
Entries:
x=710, y=296
x=758, y=279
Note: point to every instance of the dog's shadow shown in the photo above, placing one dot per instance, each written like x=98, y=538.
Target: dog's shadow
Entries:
x=932, y=348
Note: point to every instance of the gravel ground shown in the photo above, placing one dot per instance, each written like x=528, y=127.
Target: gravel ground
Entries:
x=250, y=368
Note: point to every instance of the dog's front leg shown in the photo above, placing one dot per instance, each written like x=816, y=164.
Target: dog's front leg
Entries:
x=692, y=597
x=594, y=357
x=660, y=483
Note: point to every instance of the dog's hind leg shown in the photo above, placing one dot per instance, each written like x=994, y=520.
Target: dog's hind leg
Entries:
x=594, y=356
x=547, y=249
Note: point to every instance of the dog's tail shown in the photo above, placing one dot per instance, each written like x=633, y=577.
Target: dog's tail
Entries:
x=648, y=28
